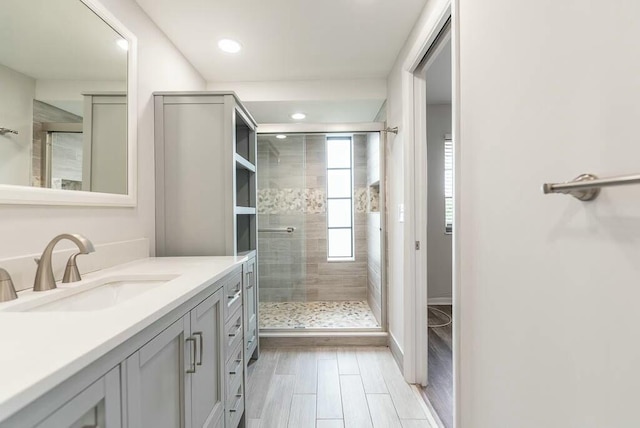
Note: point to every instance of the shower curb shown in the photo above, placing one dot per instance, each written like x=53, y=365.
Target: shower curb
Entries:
x=287, y=339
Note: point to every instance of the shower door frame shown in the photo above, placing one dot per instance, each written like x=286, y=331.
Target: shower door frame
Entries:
x=345, y=128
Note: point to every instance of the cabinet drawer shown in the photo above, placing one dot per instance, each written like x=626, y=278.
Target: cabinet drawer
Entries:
x=233, y=295
x=234, y=370
x=235, y=405
x=233, y=333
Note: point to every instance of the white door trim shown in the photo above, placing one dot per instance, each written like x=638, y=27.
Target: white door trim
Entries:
x=415, y=269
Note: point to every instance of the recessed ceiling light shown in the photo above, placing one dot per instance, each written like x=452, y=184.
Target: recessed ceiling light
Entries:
x=124, y=45
x=298, y=116
x=281, y=136
x=229, y=46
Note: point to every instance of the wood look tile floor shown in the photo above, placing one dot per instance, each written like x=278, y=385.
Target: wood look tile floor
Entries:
x=439, y=392
x=348, y=387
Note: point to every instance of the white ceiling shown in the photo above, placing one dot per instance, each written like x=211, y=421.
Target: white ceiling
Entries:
x=439, y=84
x=59, y=39
x=288, y=39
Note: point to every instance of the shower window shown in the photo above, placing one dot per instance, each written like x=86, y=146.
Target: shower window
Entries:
x=339, y=198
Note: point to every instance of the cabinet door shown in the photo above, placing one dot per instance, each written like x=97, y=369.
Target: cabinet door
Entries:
x=96, y=406
x=158, y=388
x=207, y=384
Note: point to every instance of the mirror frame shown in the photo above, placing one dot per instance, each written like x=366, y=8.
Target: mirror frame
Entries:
x=25, y=195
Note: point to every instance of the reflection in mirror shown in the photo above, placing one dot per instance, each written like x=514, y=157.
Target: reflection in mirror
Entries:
x=63, y=99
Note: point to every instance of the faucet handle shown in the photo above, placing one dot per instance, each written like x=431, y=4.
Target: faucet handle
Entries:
x=7, y=290
x=71, y=272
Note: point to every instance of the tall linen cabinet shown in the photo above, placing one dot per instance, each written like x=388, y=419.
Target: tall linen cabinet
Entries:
x=205, y=163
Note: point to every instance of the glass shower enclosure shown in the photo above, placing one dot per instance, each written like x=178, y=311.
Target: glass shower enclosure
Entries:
x=319, y=234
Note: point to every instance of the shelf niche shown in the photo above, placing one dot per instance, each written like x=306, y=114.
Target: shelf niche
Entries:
x=245, y=233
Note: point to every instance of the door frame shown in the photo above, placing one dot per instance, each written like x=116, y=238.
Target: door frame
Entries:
x=421, y=202
x=415, y=161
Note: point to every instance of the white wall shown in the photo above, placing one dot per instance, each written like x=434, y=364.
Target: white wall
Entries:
x=549, y=286
x=398, y=298
x=26, y=229
x=16, y=112
x=439, y=260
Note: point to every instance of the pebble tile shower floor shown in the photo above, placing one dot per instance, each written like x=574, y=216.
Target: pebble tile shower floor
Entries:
x=351, y=314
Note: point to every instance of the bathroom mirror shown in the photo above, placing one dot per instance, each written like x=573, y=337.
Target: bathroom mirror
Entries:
x=67, y=121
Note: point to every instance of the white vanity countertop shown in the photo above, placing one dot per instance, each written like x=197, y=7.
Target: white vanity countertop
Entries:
x=39, y=350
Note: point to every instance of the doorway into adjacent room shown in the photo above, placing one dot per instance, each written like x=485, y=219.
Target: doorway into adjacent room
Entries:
x=438, y=201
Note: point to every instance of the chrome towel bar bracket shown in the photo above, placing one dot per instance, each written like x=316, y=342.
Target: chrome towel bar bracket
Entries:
x=7, y=130
x=289, y=229
x=586, y=187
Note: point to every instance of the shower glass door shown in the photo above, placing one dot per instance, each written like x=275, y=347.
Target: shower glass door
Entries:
x=283, y=198
x=319, y=223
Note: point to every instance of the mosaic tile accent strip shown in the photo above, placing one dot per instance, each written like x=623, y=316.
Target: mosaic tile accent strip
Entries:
x=361, y=200
x=308, y=201
x=374, y=199
x=352, y=314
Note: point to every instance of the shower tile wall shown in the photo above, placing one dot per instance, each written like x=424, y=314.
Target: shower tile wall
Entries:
x=292, y=192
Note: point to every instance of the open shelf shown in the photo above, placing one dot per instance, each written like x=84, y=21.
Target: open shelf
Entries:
x=245, y=210
x=245, y=140
x=245, y=232
x=242, y=163
x=245, y=188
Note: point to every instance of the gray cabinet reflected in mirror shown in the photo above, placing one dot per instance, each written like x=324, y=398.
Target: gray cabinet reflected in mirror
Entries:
x=63, y=98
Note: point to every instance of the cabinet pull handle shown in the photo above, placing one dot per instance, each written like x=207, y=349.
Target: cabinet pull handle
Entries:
x=235, y=297
x=250, y=279
x=193, y=355
x=239, y=401
x=238, y=368
x=199, y=334
x=237, y=332
x=235, y=409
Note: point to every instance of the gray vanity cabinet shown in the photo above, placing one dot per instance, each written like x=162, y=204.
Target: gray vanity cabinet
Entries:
x=177, y=379
x=104, y=157
x=98, y=405
x=207, y=383
x=158, y=388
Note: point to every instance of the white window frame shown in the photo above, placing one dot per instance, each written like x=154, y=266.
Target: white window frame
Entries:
x=351, y=197
x=448, y=190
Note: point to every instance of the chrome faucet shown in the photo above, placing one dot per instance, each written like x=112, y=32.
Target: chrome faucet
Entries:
x=44, y=275
x=7, y=290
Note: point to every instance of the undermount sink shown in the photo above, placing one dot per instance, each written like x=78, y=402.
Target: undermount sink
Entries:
x=94, y=295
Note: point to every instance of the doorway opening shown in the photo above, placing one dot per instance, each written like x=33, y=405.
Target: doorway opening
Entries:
x=436, y=72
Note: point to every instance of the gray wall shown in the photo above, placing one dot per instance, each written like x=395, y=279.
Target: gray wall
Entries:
x=294, y=267
x=438, y=243
x=16, y=111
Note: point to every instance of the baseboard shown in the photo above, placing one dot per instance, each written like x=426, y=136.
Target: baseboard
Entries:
x=396, y=351
x=23, y=268
x=284, y=339
x=440, y=301
x=432, y=415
